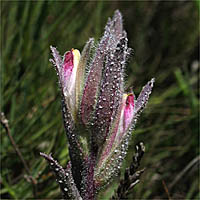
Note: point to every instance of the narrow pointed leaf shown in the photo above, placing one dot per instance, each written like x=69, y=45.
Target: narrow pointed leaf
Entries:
x=111, y=91
x=81, y=71
x=64, y=178
x=57, y=62
x=75, y=150
x=144, y=96
x=112, y=34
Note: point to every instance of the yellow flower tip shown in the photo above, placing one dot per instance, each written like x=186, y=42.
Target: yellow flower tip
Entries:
x=77, y=56
x=129, y=94
x=125, y=96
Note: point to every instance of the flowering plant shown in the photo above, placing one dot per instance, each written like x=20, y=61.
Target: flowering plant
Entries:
x=98, y=114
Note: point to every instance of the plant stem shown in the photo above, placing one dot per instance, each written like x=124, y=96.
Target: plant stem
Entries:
x=5, y=124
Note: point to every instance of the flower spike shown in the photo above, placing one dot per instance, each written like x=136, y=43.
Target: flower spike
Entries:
x=98, y=114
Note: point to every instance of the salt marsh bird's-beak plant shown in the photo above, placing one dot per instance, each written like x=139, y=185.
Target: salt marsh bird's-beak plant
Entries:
x=98, y=114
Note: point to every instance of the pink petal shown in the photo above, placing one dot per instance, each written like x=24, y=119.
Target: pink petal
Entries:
x=68, y=64
x=128, y=111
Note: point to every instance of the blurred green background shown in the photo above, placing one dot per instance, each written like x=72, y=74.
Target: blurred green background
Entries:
x=164, y=36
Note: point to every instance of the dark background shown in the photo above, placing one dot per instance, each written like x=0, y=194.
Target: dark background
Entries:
x=164, y=36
